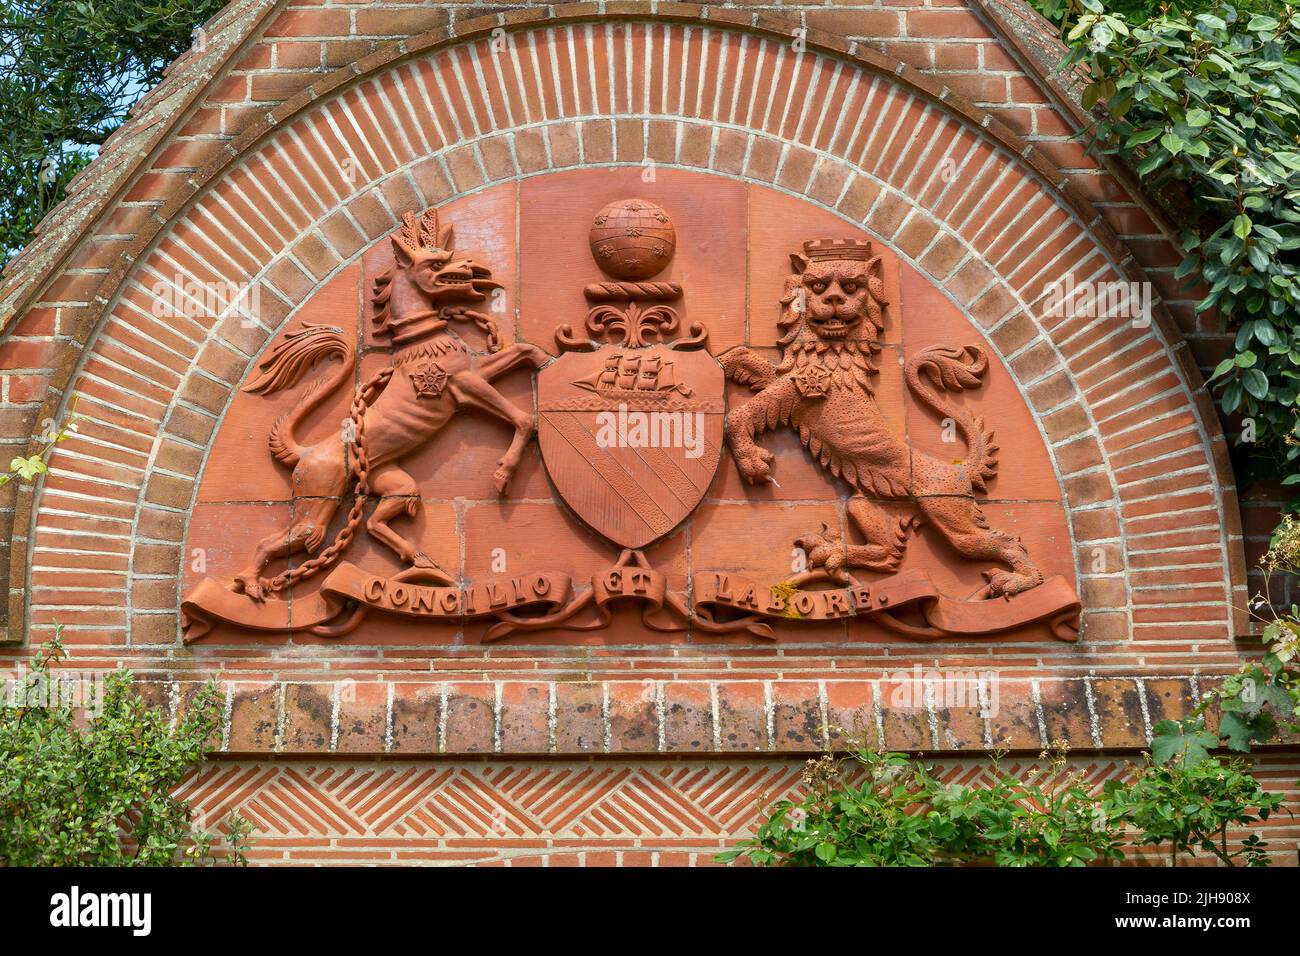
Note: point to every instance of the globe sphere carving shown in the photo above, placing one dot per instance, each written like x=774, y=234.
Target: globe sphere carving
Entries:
x=632, y=239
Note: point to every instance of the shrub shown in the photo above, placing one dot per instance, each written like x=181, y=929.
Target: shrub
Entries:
x=888, y=809
x=101, y=794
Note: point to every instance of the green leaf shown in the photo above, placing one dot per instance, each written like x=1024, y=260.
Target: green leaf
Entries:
x=28, y=468
x=1255, y=382
x=1236, y=731
x=1188, y=742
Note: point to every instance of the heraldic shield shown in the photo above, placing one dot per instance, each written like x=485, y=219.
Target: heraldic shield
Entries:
x=632, y=437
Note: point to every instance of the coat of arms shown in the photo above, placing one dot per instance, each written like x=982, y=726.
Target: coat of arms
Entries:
x=631, y=422
x=631, y=430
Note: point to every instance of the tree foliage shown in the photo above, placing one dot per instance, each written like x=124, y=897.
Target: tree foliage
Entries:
x=69, y=72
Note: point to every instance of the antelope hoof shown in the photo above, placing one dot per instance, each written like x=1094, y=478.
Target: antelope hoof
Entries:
x=252, y=585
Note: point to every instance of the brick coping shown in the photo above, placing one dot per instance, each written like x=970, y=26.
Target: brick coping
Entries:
x=930, y=714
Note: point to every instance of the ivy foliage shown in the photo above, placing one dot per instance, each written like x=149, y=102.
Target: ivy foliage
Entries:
x=897, y=813
x=81, y=788
x=1205, y=105
x=69, y=72
x=29, y=467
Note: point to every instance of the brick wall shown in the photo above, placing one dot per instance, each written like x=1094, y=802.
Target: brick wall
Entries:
x=242, y=184
x=671, y=812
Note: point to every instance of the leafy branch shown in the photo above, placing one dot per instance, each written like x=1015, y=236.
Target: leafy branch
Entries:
x=27, y=467
x=93, y=784
x=69, y=72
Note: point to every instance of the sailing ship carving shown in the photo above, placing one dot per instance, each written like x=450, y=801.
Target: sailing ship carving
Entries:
x=635, y=376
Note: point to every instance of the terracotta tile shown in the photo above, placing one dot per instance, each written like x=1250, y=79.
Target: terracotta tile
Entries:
x=688, y=717
x=308, y=717
x=363, y=716
x=253, y=710
x=708, y=215
x=851, y=714
x=778, y=226
x=525, y=717
x=797, y=716
x=530, y=536
x=1024, y=468
x=904, y=715
x=1066, y=712
x=1119, y=712
x=960, y=713
x=1014, y=723
x=221, y=541
x=579, y=718
x=240, y=467
x=742, y=715
x=416, y=709
x=470, y=719
x=723, y=539
x=633, y=716
x=1168, y=698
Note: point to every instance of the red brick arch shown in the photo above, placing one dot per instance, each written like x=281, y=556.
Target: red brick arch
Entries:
x=1115, y=405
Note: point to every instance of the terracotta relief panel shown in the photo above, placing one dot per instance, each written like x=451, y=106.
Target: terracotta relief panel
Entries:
x=628, y=406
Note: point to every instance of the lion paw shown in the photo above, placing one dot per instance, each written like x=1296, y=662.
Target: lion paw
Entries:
x=1006, y=583
x=755, y=465
x=424, y=568
x=825, y=549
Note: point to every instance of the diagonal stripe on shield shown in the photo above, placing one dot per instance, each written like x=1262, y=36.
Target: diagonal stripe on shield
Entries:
x=632, y=438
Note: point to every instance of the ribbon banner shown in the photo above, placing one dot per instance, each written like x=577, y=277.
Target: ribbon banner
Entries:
x=348, y=592
x=528, y=602
x=1053, y=602
x=723, y=603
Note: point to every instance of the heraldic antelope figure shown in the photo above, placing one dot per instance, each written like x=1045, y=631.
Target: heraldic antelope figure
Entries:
x=432, y=376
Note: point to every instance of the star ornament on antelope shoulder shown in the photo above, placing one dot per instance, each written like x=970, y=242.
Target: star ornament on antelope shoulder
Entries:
x=429, y=380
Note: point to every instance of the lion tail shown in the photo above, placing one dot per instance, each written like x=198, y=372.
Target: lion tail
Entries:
x=285, y=366
x=947, y=369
